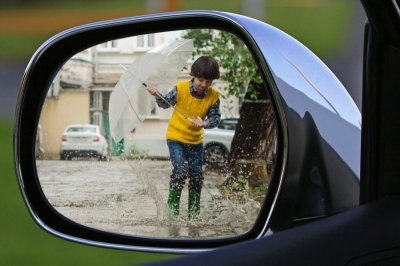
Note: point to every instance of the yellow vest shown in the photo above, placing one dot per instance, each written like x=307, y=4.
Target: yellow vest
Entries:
x=181, y=129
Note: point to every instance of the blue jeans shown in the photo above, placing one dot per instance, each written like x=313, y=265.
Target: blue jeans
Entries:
x=187, y=161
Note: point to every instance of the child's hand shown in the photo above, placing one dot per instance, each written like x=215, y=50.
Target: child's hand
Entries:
x=153, y=91
x=198, y=122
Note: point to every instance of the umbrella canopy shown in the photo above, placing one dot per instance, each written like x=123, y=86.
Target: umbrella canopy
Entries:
x=130, y=103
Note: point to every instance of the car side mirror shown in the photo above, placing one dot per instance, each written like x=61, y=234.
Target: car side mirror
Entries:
x=292, y=157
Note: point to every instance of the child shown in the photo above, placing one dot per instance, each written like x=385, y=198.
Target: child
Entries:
x=196, y=107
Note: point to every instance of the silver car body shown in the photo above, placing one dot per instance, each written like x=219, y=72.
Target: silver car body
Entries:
x=217, y=141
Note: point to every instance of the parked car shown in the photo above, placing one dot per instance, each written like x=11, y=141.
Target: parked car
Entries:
x=332, y=200
x=83, y=140
x=217, y=141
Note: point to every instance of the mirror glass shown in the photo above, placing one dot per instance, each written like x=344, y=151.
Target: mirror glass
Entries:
x=102, y=154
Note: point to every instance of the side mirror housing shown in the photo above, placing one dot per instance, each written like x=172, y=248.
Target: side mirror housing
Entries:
x=318, y=128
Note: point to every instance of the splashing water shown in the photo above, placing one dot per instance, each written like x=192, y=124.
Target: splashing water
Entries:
x=129, y=197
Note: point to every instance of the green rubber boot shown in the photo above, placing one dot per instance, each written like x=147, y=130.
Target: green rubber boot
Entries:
x=194, y=205
x=174, y=198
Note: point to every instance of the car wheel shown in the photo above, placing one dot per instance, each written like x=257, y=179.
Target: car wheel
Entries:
x=103, y=158
x=215, y=154
x=65, y=156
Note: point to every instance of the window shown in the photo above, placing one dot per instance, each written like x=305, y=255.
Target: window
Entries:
x=150, y=40
x=228, y=123
x=82, y=129
x=96, y=119
x=107, y=46
x=154, y=111
x=99, y=100
x=97, y=103
x=145, y=41
x=140, y=41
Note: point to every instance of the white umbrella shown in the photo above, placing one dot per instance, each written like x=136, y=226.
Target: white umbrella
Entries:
x=130, y=103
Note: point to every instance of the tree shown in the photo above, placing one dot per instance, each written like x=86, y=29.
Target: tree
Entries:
x=254, y=138
x=233, y=56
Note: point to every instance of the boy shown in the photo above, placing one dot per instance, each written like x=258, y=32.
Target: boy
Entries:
x=196, y=107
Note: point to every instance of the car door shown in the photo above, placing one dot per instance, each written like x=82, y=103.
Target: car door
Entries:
x=311, y=209
x=367, y=234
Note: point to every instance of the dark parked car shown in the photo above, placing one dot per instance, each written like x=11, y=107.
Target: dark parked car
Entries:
x=333, y=194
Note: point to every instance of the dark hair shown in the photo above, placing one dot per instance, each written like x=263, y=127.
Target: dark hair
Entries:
x=205, y=67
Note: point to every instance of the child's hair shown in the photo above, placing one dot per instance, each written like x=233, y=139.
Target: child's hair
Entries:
x=205, y=67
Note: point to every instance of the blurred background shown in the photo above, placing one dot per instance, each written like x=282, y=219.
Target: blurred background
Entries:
x=332, y=29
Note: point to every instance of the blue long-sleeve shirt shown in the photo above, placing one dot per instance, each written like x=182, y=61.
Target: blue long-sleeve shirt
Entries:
x=213, y=114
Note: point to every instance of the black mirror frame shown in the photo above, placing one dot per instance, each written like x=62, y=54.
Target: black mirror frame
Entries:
x=39, y=74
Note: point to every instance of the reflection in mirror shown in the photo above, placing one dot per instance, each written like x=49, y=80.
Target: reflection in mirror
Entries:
x=102, y=155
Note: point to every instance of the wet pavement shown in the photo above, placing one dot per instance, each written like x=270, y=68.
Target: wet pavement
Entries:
x=129, y=197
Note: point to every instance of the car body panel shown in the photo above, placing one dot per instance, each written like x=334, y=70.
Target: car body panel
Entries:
x=219, y=138
x=343, y=239
x=322, y=120
x=367, y=234
x=317, y=122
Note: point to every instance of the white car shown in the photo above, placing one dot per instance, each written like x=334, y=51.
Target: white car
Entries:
x=83, y=140
x=217, y=141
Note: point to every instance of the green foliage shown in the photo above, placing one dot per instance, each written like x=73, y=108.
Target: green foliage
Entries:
x=18, y=46
x=258, y=193
x=137, y=153
x=238, y=65
x=239, y=184
x=235, y=189
x=73, y=4
x=320, y=25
